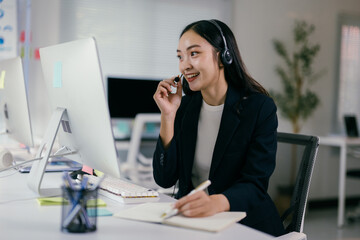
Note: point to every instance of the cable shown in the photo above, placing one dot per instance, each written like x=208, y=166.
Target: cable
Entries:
x=36, y=159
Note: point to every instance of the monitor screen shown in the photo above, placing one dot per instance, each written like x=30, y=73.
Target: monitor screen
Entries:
x=14, y=101
x=130, y=96
x=351, y=126
x=81, y=118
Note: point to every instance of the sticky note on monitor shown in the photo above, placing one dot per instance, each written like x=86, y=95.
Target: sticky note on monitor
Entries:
x=87, y=169
x=2, y=79
x=57, y=78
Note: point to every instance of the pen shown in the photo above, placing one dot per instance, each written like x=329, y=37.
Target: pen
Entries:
x=174, y=211
x=201, y=187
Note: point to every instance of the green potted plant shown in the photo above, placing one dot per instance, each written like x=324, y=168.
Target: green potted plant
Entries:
x=296, y=101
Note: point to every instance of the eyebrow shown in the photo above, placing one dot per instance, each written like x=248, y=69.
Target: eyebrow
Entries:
x=188, y=48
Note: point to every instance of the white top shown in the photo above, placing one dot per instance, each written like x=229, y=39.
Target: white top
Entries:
x=208, y=128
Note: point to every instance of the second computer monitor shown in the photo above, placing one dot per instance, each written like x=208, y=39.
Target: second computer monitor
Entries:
x=14, y=101
x=124, y=90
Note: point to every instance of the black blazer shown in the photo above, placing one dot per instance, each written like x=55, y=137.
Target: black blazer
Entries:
x=243, y=158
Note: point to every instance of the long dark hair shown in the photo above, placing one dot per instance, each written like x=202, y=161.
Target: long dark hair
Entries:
x=236, y=73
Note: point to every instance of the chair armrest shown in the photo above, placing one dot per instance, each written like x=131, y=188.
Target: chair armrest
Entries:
x=293, y=236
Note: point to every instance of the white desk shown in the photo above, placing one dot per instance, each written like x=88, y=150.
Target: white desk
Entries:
x=342, y=143
x=22, y=218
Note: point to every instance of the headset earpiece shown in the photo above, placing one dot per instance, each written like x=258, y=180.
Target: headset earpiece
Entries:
x=226, y=57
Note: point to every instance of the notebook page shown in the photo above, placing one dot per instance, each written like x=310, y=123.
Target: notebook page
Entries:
x=152, y=212
x=213, y=223
x=147, y=212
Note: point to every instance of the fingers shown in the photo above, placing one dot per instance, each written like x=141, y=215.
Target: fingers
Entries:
x=188, y=198
x=165, y=88
x=179, y=88
x=162, y=90
x=167, y=103
x=167, y=83
x=195, y=205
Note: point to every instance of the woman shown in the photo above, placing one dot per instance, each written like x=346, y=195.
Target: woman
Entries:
x=223, y=129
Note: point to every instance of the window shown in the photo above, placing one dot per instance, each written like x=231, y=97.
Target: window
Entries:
x=349, y=70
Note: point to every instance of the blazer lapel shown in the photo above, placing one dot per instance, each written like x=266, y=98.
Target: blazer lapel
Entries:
x=189, y=133
x=229, y=122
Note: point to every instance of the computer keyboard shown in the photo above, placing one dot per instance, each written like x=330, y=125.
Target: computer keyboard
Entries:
x=123, y=191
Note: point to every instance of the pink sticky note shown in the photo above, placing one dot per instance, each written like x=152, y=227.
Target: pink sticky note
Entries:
x=22, y=36
x=87, y=169
x=37, y=54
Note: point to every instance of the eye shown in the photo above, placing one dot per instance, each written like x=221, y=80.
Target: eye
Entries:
x=179, y=57
x=194, y=53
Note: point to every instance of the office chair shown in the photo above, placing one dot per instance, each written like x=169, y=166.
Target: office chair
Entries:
x=306, y=147
x=138, y=167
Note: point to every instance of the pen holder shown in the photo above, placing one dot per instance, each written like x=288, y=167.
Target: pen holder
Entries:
x=75, y=216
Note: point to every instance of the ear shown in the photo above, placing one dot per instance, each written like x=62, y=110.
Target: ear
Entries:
x=221, y=65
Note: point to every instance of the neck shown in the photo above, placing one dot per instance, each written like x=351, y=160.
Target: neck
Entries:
x=215, y=95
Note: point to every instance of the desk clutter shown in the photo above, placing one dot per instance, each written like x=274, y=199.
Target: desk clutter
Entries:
x=23, y=216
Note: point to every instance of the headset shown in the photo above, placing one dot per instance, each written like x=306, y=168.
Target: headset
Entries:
x=226, y=57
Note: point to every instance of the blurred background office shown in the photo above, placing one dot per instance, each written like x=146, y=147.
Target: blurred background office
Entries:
x=138, y=39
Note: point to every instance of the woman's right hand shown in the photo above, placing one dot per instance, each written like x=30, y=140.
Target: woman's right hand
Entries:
x=167, y=102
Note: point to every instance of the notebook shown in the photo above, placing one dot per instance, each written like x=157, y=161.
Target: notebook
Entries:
x=152, y=212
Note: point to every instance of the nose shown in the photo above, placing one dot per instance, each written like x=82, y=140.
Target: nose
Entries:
x=185, y=64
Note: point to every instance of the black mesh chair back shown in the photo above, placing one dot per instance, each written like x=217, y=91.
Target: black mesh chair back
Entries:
x=306, y=151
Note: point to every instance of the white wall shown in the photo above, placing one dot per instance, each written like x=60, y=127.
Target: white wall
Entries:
x=256, y=24
x=45, y=22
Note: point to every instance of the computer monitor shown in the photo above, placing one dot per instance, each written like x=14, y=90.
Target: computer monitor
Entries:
x=81, y=118
x=14, y=101
x=121, y=90
x=351, y=126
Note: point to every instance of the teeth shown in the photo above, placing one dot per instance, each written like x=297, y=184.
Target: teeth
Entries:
x=192, y=75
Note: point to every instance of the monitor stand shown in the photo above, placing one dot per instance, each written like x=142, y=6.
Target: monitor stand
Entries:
x=38, y=168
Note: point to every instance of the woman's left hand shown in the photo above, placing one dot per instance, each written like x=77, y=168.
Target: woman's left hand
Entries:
x=202, y=205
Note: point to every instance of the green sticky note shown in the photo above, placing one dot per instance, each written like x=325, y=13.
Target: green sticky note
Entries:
x=92, y=212
x=2, y=79
x=98, y=173
x=50, y=201
x=57, y=78
x=22, y=52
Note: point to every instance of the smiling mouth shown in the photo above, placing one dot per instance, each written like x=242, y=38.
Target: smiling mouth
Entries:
x=191, y=77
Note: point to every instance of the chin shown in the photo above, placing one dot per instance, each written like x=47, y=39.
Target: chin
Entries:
x=194, y=88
